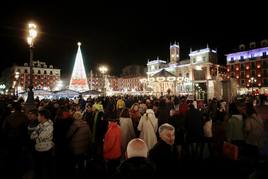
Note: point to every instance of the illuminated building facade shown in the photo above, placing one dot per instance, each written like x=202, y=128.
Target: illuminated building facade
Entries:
x=124, y=84
x=249, y=67
x=199, y=76
x=44, y=76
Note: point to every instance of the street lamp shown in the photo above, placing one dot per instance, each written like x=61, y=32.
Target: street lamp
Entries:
x=103, y=70
x=252, y=80
x=17, y=75
x=32, y=33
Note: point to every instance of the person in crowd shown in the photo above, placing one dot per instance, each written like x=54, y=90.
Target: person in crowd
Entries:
x=254, y=132
x=136, y=164
x=32, y=120
x=235, y=127
x=43, y=137
x=79, y=136
x=207, y=138
x=127, y=131
x=163, y=112
x=163, y=154
x=194, y=131
x=177, y=121
x=135, y=116
x=148, y=127
x=16, y=137
x=120, y=104
x=112, y=144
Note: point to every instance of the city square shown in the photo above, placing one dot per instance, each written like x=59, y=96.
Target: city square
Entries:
x=121, y=96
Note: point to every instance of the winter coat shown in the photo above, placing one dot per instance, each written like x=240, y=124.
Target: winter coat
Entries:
x=79, y=135
x=137, y=167
x=127, y=131
x=254, y=128
x=112, y=142
x=164, y=156
x=148, y=126
x=43, y=136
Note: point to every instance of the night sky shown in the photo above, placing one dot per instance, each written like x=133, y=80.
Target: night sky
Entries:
x=121, y=34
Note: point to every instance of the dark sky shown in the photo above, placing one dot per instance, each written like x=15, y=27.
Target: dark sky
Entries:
x=123, y=34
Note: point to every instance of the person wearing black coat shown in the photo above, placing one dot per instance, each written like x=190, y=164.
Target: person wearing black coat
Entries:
x=163, y=154
x=136, y=165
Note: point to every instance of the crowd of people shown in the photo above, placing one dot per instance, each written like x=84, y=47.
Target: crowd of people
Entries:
x=129, y=137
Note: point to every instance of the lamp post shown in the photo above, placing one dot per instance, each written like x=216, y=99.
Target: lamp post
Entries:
x=103, y=70
x=252, y=80
x=17, y=75
x=32, y=33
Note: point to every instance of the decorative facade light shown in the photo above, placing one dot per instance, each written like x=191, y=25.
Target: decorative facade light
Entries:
x=172, y=78
x=151, y=79
x=160, y=79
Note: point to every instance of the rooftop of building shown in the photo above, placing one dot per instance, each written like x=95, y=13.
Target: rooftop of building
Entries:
x=252, y=45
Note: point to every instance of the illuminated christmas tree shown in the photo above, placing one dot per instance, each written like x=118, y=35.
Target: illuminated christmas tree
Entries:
x=79, y=79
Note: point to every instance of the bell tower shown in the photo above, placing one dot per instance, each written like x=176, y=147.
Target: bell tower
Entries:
x=174, y=53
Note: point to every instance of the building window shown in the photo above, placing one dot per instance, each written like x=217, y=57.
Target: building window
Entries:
x=232, y=67
x=204, y=59
x=242, y=74
x=264, y=64
x=265, y=82
x=242, y=82
x=39, y=72
x=263, y=54
x=242, y=67
x=241, y=57
x=252, y=65
x=253, y=73
x=45, y=72
x=265, y=73
x=51, y=73
x=232, y=75
x=187, y=75
x=25, y=71
x=180, y=75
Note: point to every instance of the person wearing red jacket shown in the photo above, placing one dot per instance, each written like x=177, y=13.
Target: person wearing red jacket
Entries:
x=112, y=145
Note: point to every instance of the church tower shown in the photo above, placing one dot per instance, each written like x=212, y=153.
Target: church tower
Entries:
x=174, y=53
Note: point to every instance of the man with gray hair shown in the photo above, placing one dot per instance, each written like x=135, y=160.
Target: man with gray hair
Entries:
x=164, y=154
x=136, y=165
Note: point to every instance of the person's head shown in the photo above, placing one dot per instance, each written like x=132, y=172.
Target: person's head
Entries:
x=136, y=148
x=135, y=107
x=167, y=133
x=77, y=115
x=17, y=106
x=33, y=114
x=43, y=115
x=172, y=112
x=124, y=113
